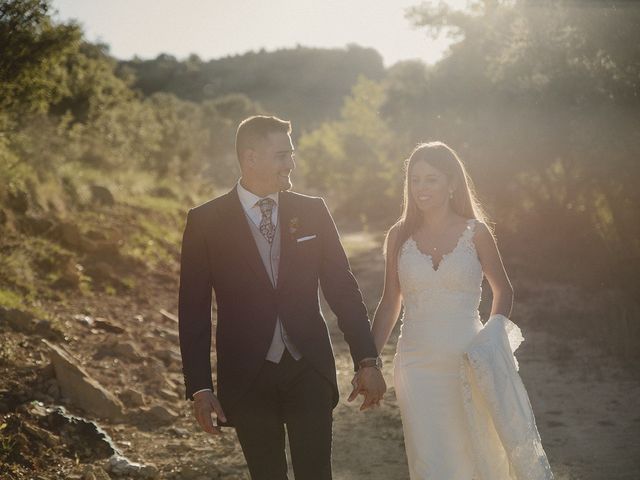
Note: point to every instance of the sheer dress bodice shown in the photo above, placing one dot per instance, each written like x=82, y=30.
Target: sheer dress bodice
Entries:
x=441, y=305
x=440, y=320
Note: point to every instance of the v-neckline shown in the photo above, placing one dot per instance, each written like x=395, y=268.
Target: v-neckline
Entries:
x=434, y=267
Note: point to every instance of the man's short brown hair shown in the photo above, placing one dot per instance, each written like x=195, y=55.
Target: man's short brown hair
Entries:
x=257, y=128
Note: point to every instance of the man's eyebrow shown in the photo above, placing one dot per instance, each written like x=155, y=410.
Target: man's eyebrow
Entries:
x=285, y=151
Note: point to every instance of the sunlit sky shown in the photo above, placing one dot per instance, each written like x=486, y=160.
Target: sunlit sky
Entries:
x=218, y=28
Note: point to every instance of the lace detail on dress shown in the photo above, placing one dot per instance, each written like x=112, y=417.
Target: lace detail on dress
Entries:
x=493, y=405
x=458, y=271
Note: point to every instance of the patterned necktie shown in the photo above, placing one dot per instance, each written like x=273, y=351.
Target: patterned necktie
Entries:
x=267, y=228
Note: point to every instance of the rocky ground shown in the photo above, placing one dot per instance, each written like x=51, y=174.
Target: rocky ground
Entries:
x=100, y=388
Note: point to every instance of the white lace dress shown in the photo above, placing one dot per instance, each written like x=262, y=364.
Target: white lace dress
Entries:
x=449, y=432
x=440, y=319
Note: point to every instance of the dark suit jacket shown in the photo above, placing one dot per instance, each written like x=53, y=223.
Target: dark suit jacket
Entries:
x=219, y=252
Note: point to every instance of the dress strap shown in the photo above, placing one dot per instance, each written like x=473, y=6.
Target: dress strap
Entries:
x=470, y=230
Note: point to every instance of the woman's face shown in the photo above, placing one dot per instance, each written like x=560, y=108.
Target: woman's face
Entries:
x=428, y=186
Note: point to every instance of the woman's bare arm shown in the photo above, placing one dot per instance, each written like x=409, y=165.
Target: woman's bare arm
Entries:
x=493, y=268
x=390, y=303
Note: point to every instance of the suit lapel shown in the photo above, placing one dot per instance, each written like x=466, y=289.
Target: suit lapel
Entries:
x=286, y=238
x=242, y=238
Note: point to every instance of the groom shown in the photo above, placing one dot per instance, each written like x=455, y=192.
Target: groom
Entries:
x=264, y=250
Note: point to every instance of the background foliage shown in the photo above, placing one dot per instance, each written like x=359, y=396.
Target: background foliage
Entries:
x=540, y=99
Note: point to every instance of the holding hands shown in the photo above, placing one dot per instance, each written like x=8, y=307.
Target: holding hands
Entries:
x=368, y=381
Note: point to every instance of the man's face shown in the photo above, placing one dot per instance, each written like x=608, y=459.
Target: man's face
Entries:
x=271, y=164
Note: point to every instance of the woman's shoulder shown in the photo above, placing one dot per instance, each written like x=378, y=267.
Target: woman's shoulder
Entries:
x=394, y=230
x=393, y=236
x=482, y=232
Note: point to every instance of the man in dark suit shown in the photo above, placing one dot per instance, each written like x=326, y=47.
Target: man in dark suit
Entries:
x=264, y=250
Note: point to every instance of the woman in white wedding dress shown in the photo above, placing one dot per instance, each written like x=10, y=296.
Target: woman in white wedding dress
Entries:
x=436, y=256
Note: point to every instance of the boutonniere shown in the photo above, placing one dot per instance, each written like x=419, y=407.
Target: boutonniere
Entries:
x=294, y=225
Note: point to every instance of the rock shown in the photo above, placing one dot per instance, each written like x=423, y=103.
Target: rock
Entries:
x=168, y=315
x=98, y=323
x=107, y=326
x=169, y=394
x=118, y=465
x=46, y=329
x=170, y=384
x=163, y=414
x=83, y=391
x=170, y=334
x=159, y=414
x=179, y=432
x=18, y=320
x=101, y=195
x=127, y=350
x=53, y=389
x=93, y=472
x=120, y=350
x=86, y=320
x=47, y=372
x=132, y=398
x=43, y=397
x=41, y=434
x=168, y=356
x=25, y=322
x=37, y=409
x=85, y=440
x=89, y=475
x=153, y=372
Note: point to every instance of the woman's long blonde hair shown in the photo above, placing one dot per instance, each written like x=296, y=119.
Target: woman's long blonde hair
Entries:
x=464, y=202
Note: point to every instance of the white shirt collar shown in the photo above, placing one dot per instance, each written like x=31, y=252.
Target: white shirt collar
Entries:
x=249, y=200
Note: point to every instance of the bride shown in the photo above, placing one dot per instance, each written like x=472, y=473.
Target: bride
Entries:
x=436, y=256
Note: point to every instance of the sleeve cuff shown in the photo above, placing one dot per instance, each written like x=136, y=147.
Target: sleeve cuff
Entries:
x=201, y=390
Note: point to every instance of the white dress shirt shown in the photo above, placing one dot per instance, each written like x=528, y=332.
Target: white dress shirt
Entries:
x=250, y=201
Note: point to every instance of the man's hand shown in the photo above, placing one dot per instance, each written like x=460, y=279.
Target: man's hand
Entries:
x=369, y=382
x=204, y=404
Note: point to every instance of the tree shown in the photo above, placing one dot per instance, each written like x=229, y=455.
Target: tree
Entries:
x=543, y=96
x=32, y=55
x=353, y=159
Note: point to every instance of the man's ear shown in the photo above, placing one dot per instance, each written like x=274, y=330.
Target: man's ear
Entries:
x=251, y=156
x=248, y=158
